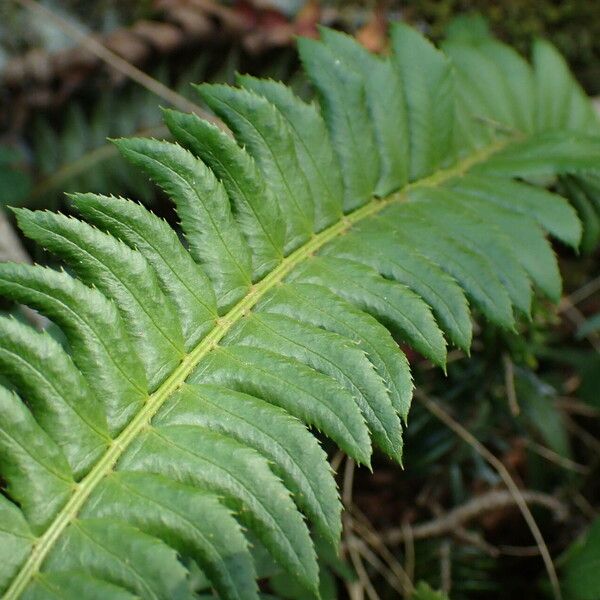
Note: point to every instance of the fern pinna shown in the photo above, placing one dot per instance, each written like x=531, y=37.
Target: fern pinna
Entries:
x=169, y=434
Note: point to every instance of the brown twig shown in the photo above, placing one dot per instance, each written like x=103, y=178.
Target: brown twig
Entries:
x=348, y=481
x=509, y=384
x=584, y=506
x=377, y=564
x=363, y=577
x=370, y=536
x=517, y=494
x=576, y=407
x=557, y=459
x=39, y=77
x=519, y=551
x=356, y=590
x=582, y=434
x=409, y=552
x=336, y=461
x=579, y=295
x=578, y=319
x=472, y=538
x=487, y=502
x=445, y=566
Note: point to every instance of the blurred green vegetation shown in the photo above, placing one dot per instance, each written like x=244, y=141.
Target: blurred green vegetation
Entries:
x=571, y=25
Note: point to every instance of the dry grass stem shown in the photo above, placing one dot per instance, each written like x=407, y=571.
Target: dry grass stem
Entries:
x=466, y=436
x=119, y=64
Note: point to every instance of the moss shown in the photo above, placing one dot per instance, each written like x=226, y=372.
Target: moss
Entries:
x=572, y=25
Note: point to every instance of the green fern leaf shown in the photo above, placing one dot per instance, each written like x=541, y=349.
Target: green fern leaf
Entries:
x=390, y=302
x=255, y=208
x=119, y=273
x=259, y=126
x=222, y=465
x=332, y=355
x=101, y=348
x=296, y=456
x=119, y=552
x=427, y=82
x=204, y=210
x=318, y=306
x=16, y=539
x=471, y=269
x=38, y=475
x=402, y=264
x=304, y=392
x=71, y=585
x=158, y=243
x=192, y=522
x=561, y=102
x=384, y=99
x=59, y=396
x=345, y=112
x=462, y=225
x=174, y=439
x=313, y=148
x=551, y=211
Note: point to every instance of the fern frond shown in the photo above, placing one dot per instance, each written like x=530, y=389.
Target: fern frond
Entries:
x=175, y=431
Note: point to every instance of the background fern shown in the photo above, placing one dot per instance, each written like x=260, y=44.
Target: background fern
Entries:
x=171, y=431
x=75, y=153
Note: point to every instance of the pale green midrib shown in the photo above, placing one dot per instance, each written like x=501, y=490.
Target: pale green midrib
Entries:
x=104, y=466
